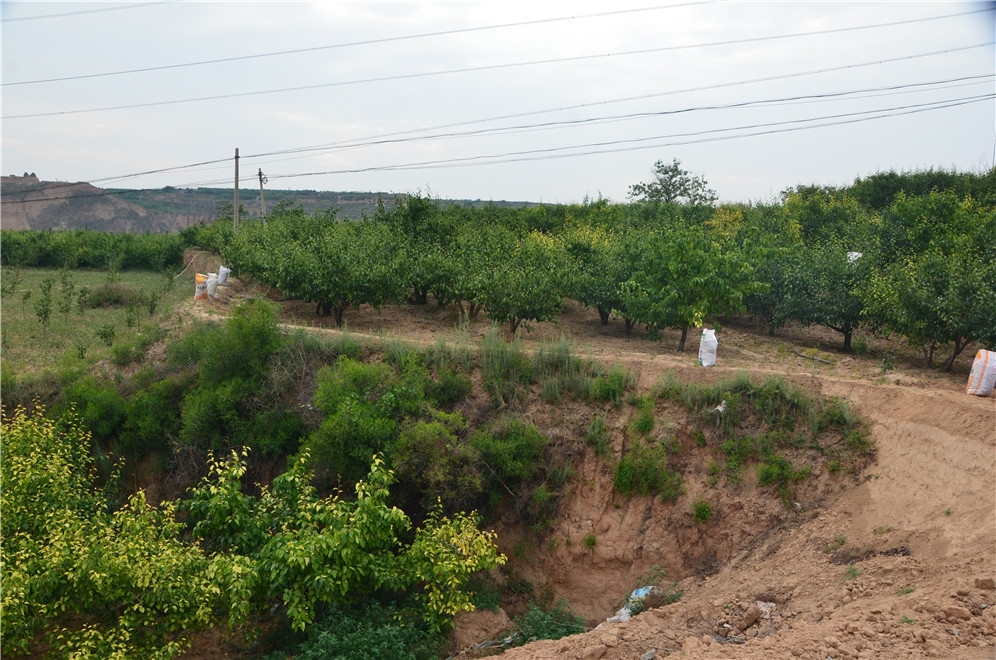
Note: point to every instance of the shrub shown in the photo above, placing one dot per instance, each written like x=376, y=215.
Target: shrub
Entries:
x=251, y=336
x=598, y=435
x=643, y=469
x=702, y=511
x=559, y=621
x=612, y=386
x=448, y=388
x=153, y=416
x=99, y=406
x=431, y=461
x=644, y=422
x=512, y=450
x=505, y=368
x=370, y=631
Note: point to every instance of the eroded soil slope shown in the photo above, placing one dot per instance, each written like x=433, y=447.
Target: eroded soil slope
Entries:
x=896, y=561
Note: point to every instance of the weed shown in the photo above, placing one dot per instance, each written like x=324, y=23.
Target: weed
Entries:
x=612, y=386
x=850, y=573
x=881, y=529
x=702, y=511
x=598, y=435
x=505, y=368
x=643, y=469
x=554, y=623
x=652, y=576
x=644, y=421
x=699, y=438
x=589, y=541
x=907, y=620
x=106, y=333
x=948, y=512
x=838, y=542
x=888, y=362
x=903, y=591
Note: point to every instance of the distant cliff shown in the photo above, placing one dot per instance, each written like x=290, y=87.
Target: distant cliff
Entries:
x=27, y=203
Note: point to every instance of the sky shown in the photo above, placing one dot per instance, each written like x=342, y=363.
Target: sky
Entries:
x=524, y=101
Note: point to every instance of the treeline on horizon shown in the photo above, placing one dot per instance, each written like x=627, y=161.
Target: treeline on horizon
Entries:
x=908, y=254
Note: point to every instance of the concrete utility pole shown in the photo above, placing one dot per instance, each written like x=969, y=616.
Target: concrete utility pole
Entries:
x=262, y=202
x=235, y=223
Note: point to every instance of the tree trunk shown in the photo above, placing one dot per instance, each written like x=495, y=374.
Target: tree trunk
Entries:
x=629, y=323
x=419, y=296
x=513, y=325
x=928, y=356
x=340, y=311
x=847, y=340
x=475, y=308
x=684, y=336
x=603, y=315
x=958, y=348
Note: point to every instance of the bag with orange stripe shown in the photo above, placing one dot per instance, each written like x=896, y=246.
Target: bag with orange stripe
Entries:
x=983, y=377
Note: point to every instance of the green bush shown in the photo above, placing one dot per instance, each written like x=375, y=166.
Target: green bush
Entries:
x=512, y=450
x=644, y=421
x=431, y=461
x=448, y=388
x=611, y=386
x=554, y=623
x=777, y=471
x=370, y=631
x=154, y=416
x=598, y=435
x=99, y=406
x=702, y=511
x=251, y=336
x=643, y=469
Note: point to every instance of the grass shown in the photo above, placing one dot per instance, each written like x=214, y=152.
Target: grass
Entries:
x=27, y=348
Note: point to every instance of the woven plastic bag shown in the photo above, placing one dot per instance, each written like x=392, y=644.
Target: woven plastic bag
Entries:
x=707, y=348
x=982, y=380
x=223, y=275
x=212, y=285
x=200, y=286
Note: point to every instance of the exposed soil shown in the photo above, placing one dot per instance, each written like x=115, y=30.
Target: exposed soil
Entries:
x=895, y=561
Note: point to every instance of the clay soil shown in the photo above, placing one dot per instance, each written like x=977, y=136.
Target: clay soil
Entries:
x=896, y=560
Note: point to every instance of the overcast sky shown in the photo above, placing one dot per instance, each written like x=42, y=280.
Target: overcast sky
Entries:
x=540, y=101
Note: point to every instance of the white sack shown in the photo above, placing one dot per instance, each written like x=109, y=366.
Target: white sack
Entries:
x=212, y=285
x=223, y=275
x=707, y=348
x=983, y=377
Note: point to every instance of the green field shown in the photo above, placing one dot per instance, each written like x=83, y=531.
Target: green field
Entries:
x=114, y=316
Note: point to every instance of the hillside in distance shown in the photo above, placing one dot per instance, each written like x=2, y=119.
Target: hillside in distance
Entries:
x=29, y=203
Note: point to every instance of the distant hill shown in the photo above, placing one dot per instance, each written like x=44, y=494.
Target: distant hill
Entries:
x=28, y=203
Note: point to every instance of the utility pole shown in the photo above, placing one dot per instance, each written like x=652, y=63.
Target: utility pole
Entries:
x=235, y=223
x=262, y=202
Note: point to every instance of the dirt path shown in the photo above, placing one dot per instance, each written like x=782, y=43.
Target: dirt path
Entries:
x=901, y=565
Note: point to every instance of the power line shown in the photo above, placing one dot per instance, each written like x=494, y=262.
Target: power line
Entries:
x=348, y=44
x=844, y=118
x=380, y=140
x=616, y=146
x=908, y=87
x=84, y=11
x=493, y=67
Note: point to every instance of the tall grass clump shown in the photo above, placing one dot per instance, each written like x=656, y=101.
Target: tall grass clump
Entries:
x=612, y=385
x=560, y=371
x=505, y=368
